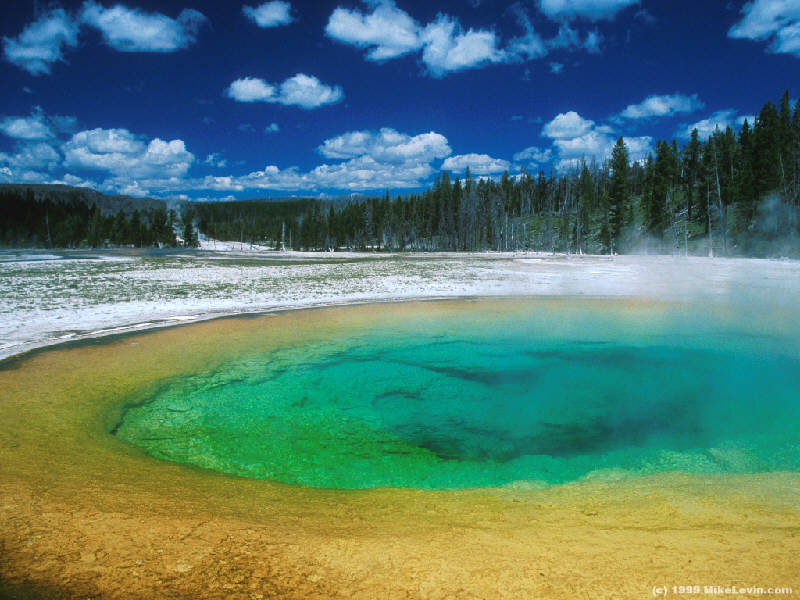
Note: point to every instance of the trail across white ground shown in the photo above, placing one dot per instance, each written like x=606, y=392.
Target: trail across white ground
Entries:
x=50, y=297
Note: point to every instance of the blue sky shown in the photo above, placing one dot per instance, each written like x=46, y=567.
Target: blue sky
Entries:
x=202, y=99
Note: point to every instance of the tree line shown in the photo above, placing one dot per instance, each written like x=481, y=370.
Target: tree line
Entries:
x=254, y=221
x=69, y=221
x=734, y=193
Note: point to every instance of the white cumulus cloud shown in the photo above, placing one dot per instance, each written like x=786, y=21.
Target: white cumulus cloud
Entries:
x=368, y=160
x=534, y=155
x=128, y=30
x=357, y=174
x=32, y=156
x=251, y=89
x=388, y=32
x=132, y=30
x=26, y=128
x=775, y=20
x=269, y=14
x=364, y=173
x=479, y=164
x=41, y=42
x=598, y=144
x=38, y=126
x=589, y=9
x=447, y=48
x=662, y=106
x=121, y=153
x=305, y=91
x=591, y=143
x=387, y=145
x=575, y=139
x=567, y=125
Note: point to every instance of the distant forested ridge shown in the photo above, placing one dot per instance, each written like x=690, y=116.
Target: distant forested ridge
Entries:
x=57, y=216
x=736, y=193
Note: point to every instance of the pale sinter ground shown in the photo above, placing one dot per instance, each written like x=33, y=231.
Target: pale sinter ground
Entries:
x=49, y=297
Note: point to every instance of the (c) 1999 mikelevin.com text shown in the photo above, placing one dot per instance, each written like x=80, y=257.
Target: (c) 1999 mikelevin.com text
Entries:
x=721, y=590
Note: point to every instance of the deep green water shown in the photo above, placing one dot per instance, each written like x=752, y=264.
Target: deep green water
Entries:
x=538, y=395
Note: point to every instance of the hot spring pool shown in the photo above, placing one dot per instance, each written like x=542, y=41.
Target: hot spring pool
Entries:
x=528, y=394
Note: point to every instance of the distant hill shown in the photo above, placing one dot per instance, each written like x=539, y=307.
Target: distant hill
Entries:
x=108, y=205
x=60, y=216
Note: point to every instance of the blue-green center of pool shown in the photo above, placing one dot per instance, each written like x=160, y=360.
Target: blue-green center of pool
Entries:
x=530, y=397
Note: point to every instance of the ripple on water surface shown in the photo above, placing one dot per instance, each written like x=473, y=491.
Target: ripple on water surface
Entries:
x=533, y=396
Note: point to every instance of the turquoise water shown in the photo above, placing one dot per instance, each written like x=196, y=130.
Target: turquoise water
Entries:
x=534, y=395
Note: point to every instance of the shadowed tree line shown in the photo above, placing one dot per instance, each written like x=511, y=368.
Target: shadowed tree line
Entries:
x=254, y=220
x=62, y=219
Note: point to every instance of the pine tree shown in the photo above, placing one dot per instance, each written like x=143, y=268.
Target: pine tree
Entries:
x=656, y=214
x=619, y=196
x=766, y=151
x=96, y=228
x=444, y=192
x=189, y=235
x=691, y=172
x=744, y=208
